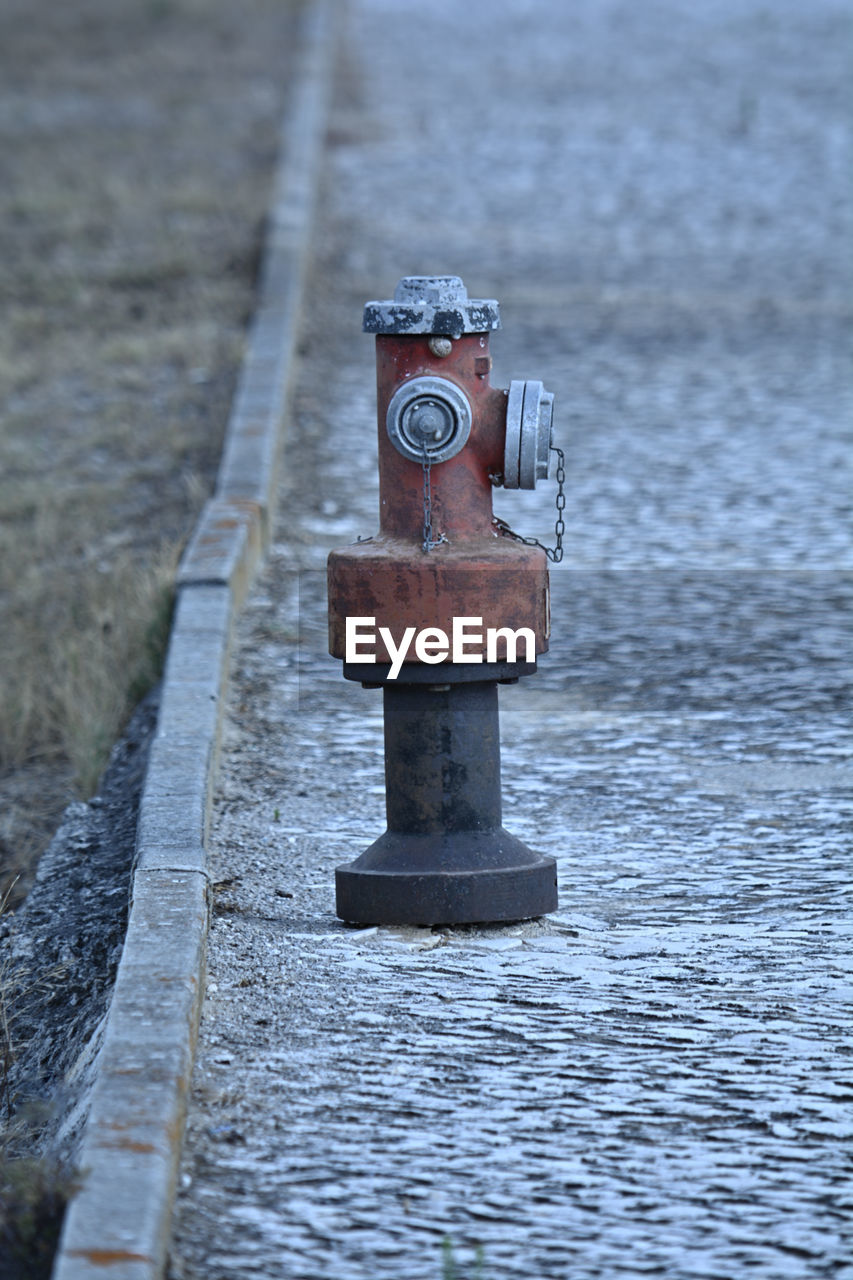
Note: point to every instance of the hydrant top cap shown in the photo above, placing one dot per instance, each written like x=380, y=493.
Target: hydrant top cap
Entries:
x=432, y=304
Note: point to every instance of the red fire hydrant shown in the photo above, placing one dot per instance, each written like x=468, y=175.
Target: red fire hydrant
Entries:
x=440, y=607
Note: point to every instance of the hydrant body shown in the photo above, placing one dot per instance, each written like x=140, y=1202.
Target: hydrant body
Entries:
x=437, y=608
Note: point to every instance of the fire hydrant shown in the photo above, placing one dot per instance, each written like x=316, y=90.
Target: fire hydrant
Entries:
x=438, y=608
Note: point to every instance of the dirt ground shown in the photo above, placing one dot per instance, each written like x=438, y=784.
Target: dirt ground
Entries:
x=137, y=144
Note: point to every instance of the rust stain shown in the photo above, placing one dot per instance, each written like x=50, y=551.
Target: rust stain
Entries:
x=475, y=573
x=503, y=583
x=127, y=1144
x=461, y=488
x=174, y=1132
x=106, y=1257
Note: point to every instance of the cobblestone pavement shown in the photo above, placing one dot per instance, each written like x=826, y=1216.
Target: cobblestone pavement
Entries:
x=655, y=1080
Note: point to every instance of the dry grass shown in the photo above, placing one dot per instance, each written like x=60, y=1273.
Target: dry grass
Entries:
x=137, y=142
x=86, y=665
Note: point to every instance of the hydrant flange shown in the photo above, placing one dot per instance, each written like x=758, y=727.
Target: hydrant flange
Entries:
x=432, y=304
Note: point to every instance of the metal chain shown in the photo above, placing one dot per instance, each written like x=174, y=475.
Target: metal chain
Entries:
x=554, y=554
x=428, y=542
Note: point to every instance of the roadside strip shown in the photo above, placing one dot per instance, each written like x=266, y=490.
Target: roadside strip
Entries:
x=118, y=1224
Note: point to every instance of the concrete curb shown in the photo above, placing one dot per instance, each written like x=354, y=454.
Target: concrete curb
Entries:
x=118, y=1224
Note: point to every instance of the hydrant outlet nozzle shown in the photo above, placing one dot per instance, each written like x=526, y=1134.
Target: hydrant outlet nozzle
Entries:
x=429, y=415
x=529, y=434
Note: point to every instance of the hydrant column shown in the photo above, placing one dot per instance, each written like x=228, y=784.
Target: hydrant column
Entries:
x=442, y=758
x=439, y=607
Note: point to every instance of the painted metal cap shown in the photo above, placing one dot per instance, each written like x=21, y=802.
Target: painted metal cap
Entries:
x=432, y=304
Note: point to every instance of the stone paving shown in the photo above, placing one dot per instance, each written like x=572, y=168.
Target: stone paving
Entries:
x=655, y=1080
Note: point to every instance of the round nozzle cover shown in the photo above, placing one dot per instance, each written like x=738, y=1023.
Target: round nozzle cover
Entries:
x=434, y=305
x=529, y=428
x=429, y=419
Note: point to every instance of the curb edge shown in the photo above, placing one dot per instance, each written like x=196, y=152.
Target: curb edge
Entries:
x=118, y=1224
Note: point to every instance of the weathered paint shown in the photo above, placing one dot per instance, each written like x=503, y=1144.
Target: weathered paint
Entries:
x=502, y=582
x=476, y=572
x=109, y=1257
